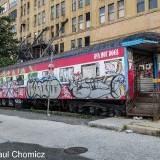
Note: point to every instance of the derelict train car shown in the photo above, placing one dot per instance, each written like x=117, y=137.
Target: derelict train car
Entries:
x=95, y=79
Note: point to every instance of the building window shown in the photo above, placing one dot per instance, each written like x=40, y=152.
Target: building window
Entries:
x=13, y=14
x=14, y=29
x=52, y=12
x=88, y=2
x=28, y=24
x=63, y=29
x=39, y=3
x=87, y=41
x=111, y=12
x=73, y=24
x=88, y=20
x=57, y=11
x=39, y=18
x=121, y=9
x=28, y=8
x=63, y=8
x=43, y=2
x=73, y=44
x=61, y=47
x=140, y=6
x=79, y=41
x=44, y=36
x=4, y=6
x=57, y=29
x=56, y=48
x=102, y=15
x=12, y=3
x=80, y=22
x=73, y=5
x=153, y=4
x=21, y=11
x=35, y=20
x=52, y=31
x=24, y=10
x=35, y=4
x=80, y=3
x=43, y=17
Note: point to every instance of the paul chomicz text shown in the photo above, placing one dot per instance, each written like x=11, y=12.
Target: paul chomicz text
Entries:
x=18, y=154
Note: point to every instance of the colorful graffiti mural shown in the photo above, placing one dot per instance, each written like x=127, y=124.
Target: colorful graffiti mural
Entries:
x=100, y=76
x=39, y=88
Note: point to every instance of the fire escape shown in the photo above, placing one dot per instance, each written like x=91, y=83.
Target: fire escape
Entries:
x=38, y=48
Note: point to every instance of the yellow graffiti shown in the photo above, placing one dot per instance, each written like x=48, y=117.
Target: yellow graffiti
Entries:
x=22, y=71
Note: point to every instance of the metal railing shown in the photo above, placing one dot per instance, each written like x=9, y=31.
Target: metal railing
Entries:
x=156, y=105
x=130, y=101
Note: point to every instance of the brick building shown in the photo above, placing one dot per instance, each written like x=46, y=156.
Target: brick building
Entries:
x=90, y=21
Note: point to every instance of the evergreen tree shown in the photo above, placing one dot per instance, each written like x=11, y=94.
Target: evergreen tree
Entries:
x=8, y=45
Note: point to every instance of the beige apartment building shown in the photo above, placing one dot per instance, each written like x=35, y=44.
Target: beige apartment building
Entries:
x=89, y=21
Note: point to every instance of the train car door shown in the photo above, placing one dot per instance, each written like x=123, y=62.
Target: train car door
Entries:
x=144, y=72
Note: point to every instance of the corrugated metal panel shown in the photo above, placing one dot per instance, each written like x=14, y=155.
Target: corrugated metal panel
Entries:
x=146, y=84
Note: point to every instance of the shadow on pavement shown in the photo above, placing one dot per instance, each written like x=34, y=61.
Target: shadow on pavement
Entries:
x=19, y=151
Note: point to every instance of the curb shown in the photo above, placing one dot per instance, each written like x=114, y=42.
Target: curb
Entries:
x=106, y=126
x=144, y=130
x=135, y=128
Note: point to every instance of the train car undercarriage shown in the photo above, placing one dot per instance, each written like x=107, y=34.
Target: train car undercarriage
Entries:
x=108, y=108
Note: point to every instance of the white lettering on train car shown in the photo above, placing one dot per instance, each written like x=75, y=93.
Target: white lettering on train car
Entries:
x=113, y=53
x=105, y=54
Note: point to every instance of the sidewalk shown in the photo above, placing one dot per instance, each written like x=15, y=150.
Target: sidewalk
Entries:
x=123, y=124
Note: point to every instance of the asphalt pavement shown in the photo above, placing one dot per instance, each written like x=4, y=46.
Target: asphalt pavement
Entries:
x=19, y=151
x=42, y=116
x=100, y=144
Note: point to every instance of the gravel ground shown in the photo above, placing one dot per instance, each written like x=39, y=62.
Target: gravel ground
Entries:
x=41, y=116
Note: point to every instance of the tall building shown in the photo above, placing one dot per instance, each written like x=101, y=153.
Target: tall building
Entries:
x=89, y=21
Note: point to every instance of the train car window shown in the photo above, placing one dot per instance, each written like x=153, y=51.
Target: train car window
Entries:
x=32, y=75
x=1, y=82
x=9, y=79
x=20, y=79
x=66, y=74
x=89, y=71
x=44, y=73
x=113, y=66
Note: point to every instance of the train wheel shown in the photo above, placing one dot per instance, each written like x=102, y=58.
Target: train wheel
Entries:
x=92, y=110
x=98, y=112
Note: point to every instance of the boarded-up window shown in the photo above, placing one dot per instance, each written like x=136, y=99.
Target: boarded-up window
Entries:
x=66, y=74
x=89, y=71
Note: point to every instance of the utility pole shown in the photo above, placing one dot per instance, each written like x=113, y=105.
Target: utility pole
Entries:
x=51, y=65
x=51, y=70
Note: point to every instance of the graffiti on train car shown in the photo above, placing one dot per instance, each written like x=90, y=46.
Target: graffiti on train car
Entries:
x=19, y=71
x=10, y=89
x=111, y=85
x=102, y=87
x=39, y=88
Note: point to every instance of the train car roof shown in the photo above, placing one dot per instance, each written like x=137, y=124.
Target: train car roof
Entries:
x=152, y=36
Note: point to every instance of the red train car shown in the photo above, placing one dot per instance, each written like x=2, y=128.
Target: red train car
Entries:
x=93, y=79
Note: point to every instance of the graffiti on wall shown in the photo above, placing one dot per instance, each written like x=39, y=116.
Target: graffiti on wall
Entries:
x=39, y=88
